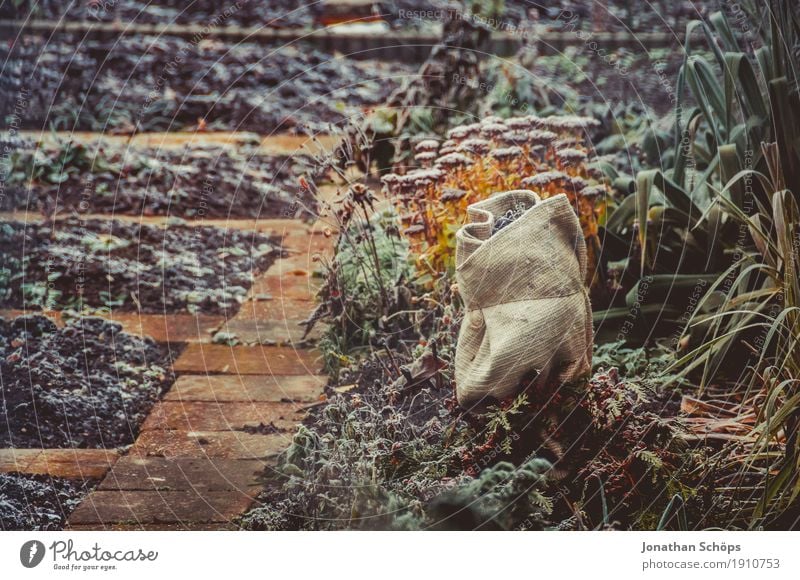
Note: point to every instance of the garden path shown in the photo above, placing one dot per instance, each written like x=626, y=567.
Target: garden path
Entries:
x=200, y=457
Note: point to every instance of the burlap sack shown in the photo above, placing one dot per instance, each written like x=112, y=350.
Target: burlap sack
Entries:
x=528, y=318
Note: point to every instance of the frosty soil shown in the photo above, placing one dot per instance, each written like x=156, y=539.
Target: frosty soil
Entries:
x=88, y=385
x=129, y=267
x=195, y=182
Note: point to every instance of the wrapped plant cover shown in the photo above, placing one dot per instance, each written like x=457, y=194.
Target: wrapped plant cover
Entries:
x=527, y=319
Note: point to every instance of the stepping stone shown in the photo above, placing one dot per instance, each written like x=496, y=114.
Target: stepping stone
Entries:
x=295, y=144
x=202, y=474
x=348, y=11
x=276, y=308
x=308, y=244
x=301, y=264
x=215, y=444
x=175, y=328
x=198, y=416
x=247, y=388
x=278, y=144
x=299, y=286
x=12, y=460
x=170, y=328
x=247, y=360
x=161, y=220
x=282, y=227
x=73, y=463
x=279, y=332
x=259, y=307
x=53, y=315
x=20, y=216
x=152, y=507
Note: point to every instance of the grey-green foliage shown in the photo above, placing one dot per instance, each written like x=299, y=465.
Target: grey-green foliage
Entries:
x=366, y=285
x=632, y=363
x=360, y=276
x=362, y=465
x=372, y=461
x=502, y=496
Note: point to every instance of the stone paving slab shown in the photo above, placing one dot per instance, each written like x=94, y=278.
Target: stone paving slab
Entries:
x=276, y=144
x=53, y=315
x=173, y=328
x=152, y=507
x=135, y=473
x=309, y=241
x=298, y=234
x=74, y=463
x=272, y=332
x=17, y=459
x=201, y=358
x=296, y=230
x=216, y=444
x=294, y=287
x=247, y=388
x=199, y=416
x=276, y=308
x=301, y=265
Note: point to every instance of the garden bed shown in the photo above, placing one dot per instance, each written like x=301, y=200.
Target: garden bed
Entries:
x=168, y=84
x=86, y=385
x=273, y=13
x=38, y=502
x=390, y=448
x=86, y=264
x=614, y=16
x=384, y=455
x=195, y=182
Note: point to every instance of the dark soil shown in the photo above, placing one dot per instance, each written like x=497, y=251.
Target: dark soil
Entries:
x=614, y=15
x=87, y=385
x=38, y=502
x=272, y=13
x=196, y=182
x=148, y=83
x=82, y=264
x=519, y=16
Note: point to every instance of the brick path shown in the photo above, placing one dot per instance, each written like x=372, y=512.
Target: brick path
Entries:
x=201, y=454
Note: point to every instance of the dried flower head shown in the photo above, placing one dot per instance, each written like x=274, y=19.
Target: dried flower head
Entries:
x=541, y=137
x=464, y=132
x=476, y=146
x=426, y=157
x=493, y=129
x=452, y=194
x=506, y=153
x=593, y=191
x=453, y=160
x=571, y=156
x=427, y=145
x=520, y=123
x=516, y=137
x=544, y=179
x=577, y=183
x=390, y=179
